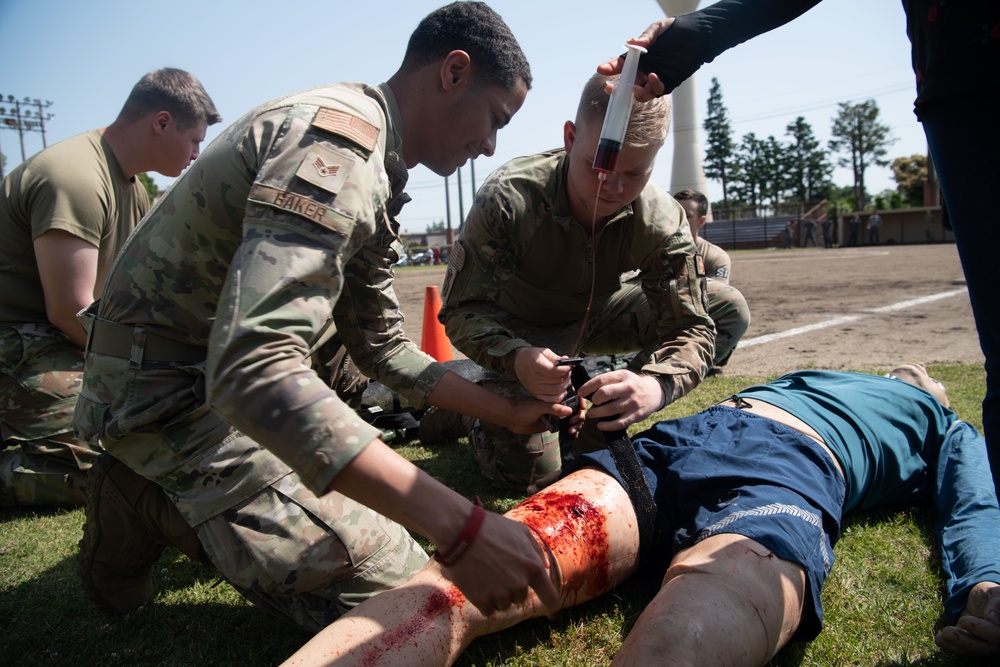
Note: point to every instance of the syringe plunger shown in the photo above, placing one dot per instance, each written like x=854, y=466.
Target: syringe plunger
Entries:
x=617, y=115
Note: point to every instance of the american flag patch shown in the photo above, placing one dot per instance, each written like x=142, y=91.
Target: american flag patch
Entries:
x=347, y=125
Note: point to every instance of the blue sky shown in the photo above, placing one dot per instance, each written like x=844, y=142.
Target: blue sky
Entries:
x=85, y=57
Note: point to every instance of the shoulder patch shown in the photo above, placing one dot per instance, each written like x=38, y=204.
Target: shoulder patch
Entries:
x=347, y=125
x=325, y=168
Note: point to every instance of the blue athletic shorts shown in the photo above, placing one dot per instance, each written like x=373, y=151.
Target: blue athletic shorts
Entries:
x=729, y=471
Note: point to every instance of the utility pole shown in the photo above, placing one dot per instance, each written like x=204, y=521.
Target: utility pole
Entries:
x=19, y=115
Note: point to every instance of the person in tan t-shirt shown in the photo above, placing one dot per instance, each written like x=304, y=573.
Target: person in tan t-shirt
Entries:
x=64, y=214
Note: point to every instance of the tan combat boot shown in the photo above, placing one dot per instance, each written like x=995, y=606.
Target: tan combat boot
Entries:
x=129, y=521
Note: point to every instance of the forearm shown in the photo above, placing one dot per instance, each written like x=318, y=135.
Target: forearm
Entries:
x=67, y=268
x=477, y=330
x=383, y=480
x=370, y=325
x=682, y=364
x=455, y=393
x=67, y=323
x=698, y=37
x=684, y=328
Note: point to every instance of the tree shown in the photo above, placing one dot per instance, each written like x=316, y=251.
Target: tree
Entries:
x=773, y=179
x=858, y=133
x=888, y=198
x=910, y=174
x=751, y=163
x=842, y=198
x=808, y=169
x=720, y=153
x=436, y=227
x=151, y=189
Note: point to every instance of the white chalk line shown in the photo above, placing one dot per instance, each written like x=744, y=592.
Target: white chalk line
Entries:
x=811, y=256
x=847, y=319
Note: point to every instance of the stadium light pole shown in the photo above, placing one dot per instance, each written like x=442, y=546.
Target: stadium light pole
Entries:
x=24, y=120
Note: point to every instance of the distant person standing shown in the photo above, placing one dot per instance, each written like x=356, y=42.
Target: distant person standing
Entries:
x=928, y=226
x=852, y=227
x=827, y=226
x=789, y=233
x=874, y=223
x=64, y=214
x=810, y=227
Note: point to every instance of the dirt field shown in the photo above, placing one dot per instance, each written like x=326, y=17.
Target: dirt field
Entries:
x=842, y=308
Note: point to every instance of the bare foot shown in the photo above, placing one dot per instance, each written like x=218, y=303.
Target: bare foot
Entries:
x=977, y=631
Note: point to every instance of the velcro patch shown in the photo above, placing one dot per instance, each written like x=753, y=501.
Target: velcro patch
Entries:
x=347, y=125
x=325, y=168
x=297, y=204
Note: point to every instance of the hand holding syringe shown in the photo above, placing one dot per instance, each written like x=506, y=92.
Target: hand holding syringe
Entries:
x=616, y=118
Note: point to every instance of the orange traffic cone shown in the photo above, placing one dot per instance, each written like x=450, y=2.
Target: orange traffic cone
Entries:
x=433, y=339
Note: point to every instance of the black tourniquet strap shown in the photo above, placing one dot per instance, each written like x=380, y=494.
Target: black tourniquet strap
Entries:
x=627, y=461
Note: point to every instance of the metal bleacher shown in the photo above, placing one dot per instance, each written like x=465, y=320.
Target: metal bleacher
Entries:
x=767, y=232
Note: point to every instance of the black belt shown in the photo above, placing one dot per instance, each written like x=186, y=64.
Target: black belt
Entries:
x=627, y=462
x=118, y=340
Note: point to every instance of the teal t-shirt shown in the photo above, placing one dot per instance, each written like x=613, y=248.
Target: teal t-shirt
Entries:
x=882, y=466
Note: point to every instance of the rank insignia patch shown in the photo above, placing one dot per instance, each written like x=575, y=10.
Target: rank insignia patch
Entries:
x=326, y=168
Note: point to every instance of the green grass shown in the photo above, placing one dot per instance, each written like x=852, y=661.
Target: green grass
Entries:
x=882, y=601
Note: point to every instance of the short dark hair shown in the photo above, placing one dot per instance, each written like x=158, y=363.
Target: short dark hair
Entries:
x=695, y=196
x=172, y=90
x=479, y=31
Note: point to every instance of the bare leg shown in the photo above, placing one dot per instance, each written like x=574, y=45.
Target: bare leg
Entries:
x=725, y=601
x=585, y=523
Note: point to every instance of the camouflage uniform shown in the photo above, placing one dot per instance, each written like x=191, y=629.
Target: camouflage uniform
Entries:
x=279, y=237
x=726, y=305
x=520, y=276
x=75, y=186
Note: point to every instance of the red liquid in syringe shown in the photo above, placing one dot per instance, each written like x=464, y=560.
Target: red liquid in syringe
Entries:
x=607, y=155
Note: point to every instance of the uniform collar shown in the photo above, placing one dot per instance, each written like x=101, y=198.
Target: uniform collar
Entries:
x=394, y=165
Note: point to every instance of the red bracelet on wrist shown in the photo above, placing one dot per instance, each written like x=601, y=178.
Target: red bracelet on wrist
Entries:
x=465, y=538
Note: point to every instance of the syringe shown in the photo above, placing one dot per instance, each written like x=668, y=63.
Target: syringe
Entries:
x=619, y=110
